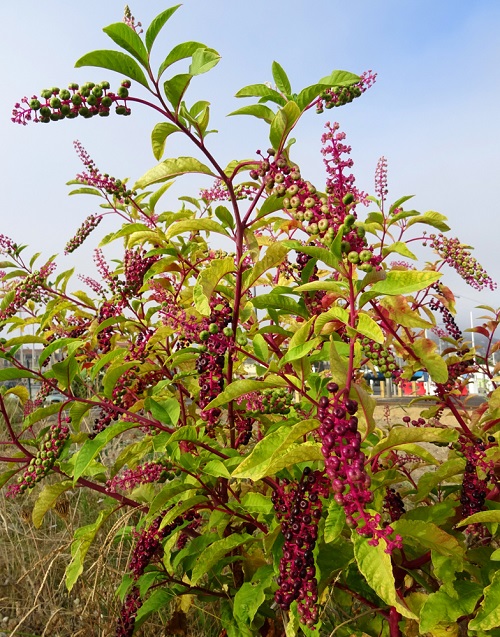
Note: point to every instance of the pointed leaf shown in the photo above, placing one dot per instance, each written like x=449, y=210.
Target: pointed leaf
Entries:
x=376, y=567
x=280, y=302
x=128, y=39
x=335, y=521
x=299, y=351
x=429, y=536
x=429, y=355
x=283, y=122
x=260, y=347
x=176, y=87
x=488, y=615
x=368, y=327
x=114, y=61
x=405, y=281
x=171, y=168
x=261, y=90
x=157, y=25
x=274, y=256
x=340, y=78
x=400, y=248
x=214, y=553
x=430, y=218
x=180, y=52
x=203, y=60
x=281, y=79
x=239, y=388
x=208, y=280
x=46, y=500
x=194, y=225
x=404, y=435
x=482, y=517
x=159, y=136
x=257, y=110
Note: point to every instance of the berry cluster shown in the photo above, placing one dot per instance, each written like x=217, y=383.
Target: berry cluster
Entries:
x=393, y=504
x=458, y=373
x=438, y=304
x=31, y=288
x=148, y=544
x=273, y=401
x=215, y=337
x=195, y=520
x=474, y=488
x=92, y=176
x=90, y=223
x=341, y=95
x=135, y=266
x=146, y=473
x=128, y=613
x=381, y=357
x=106, y=311
x=299, y=510
x=313, y=300
x=7, y=246
x=345, y=465
x=41, y=464
x=457, y=256
x=220, y=192
x=85, y=101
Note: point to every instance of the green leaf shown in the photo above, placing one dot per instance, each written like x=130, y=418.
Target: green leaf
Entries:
x=326, y=256
x=280, y=302
x=488, y=615
x=260, y=347
x=157, y=25
x=367, y=326
x=271, y=204
x=128, y=39
x=327, y=286
x=442, y=609
x=283, y=122
x=214, y=553
x=65, y=371
x=257, y=110
x=274, y=255
x=251, y=595
x=400, y=248
x=46, y=500
x=299, y=351
x=335, y=313
x=239, y=388
x=217, y=469
x=376, y=567
x=171, y=168
x=429, y=536
x=12, y=373
x=429, y=355
x=203, y=60
x=272, y=448
x=429, y=480
x=114, y=61
x=261, y=90
x=92, y=447
x=335, y=521
x=159, y=598
x=60, y=343
x=166, y=411
x=404, y=435
x=194, y=225
x=281, y=79
x=83, y=538
x=430, y=218
x=110, y=357
x=176, y=87
x=256, y=503
x=340, y=78
x=225, y=217
x=208, y=280
x=482, y=517
x=159, y=136
x=112, y=375
x=180, y=52
x=399, y=202
x=405, y=281
x=308, y=94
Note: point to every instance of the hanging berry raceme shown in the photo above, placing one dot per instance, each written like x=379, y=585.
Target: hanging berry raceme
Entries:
x=148, y=544
x=128, y=613
x=41, y=464
x=298, y=507
x=31, y=288
x=477, y=475
x=393, y=504
x=90, y=223
x=147, y=473
x=381, y=189
x=341, y=95
x=85, y=101
x=460, y=259
x=382, y=358
x=135, y=266
x=437, y=304
x=345, y=466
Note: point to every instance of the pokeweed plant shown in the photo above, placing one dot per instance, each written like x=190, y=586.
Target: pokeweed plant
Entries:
x=233, y=382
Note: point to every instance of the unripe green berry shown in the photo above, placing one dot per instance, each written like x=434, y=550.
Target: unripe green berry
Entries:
x=323, y=225
x=348, y=199
x=55, y=102
x=65, y=94
x=309, y=202
x=204, y=335
x=353, y=257
x=292, y=190
x=213, y=328
x=228, y=331
x=349, y=220
x=365, y=255
x=34, y=105
x=295, y=202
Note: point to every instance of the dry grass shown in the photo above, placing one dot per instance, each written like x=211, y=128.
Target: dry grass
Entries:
x=34, y=601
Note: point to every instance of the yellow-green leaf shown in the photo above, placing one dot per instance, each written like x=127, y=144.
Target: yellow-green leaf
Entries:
x=214, y=553
x=171, y=168
x=405, y=281
x=207, y=281
x=46, y=500
x=404, y=435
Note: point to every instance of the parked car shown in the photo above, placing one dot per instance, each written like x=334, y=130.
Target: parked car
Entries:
x=54, y=397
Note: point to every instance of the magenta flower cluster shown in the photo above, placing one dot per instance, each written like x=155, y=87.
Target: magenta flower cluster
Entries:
x=31, y=288
x=146, y=473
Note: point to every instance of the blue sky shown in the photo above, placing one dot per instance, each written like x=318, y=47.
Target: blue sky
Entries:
x=433, y=111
